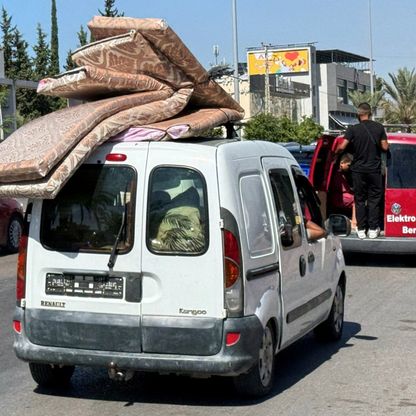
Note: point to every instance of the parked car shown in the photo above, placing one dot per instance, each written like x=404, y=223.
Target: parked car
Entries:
x=398, y=220
x=11, y=220
x=302, y=153
x=187, y=257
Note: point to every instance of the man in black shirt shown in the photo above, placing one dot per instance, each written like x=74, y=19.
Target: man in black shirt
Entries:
x=367, y=140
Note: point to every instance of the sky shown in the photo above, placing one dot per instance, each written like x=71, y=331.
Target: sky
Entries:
x=332, y=24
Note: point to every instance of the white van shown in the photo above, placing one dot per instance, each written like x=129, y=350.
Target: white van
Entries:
x=186, y=257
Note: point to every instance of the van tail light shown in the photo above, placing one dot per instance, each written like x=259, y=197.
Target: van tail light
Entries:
x=22, y=257
x=233, y=286
x=21, y=269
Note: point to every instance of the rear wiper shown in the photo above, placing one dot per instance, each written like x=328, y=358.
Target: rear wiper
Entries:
x=112, y=259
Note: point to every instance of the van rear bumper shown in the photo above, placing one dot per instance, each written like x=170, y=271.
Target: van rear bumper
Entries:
x=380, y=245
x=229, y=361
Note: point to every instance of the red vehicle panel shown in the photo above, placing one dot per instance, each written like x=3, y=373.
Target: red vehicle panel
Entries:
x=399, y=217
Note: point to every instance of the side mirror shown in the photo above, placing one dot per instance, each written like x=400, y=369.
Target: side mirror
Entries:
x=286, y=234
x=338, y=225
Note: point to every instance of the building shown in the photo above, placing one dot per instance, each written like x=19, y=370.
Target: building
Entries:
x=299, y=80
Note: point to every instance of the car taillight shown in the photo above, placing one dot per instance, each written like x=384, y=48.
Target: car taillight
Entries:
x=22, y=256
x=21, y=268
x=233, y=286
x=17, y=326
x=231, y=258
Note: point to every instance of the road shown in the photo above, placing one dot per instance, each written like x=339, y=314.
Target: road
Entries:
x=372, y=371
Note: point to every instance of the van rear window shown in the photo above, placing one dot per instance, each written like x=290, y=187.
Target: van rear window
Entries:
x=401, y=166
x=177, y=212
x=87, y=213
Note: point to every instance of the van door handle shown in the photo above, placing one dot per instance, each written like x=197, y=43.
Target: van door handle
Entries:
x=311, y=257
x=302, y=266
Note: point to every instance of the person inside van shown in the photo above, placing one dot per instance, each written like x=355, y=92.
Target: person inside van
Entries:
x=313, y=230
x=340, y=193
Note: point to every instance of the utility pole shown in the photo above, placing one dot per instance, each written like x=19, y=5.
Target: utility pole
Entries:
x=216, y=52
x=371, y=51
x=266, y=80
x=235, y=48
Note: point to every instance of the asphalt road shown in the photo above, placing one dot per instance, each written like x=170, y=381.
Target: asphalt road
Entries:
x=372, y=371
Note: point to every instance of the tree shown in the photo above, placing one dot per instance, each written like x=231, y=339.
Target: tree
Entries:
x=54, y=60
x=110, y=10
x=42, y=104
x=7, y=30
x=42, y=55
x=308, y=131
x=82, y=40
x=281, y=129
x=22, y=69
x=400, y=104
x=358, y=97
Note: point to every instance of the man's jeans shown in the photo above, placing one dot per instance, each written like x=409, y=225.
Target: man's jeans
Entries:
x=368, y=191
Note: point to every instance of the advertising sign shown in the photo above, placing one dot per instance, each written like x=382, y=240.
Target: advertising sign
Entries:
x=288, y=61
x=400, y=213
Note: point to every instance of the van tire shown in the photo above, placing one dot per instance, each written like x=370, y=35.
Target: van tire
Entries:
x=331, y=328
x=259, y=380
x=47, y=375
x=14, y=232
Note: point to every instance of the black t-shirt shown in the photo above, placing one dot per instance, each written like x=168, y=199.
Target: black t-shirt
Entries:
x=364, y=143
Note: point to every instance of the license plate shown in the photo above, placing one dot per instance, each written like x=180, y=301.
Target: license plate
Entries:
x=84, y=285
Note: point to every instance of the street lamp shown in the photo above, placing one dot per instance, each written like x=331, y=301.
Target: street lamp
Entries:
x=371, y=50
x=235, y=49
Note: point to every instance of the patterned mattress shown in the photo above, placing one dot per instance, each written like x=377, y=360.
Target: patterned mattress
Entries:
x=137, y=75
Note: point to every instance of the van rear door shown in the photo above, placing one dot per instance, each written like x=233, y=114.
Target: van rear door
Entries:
x=74, y=298
x=182, y=260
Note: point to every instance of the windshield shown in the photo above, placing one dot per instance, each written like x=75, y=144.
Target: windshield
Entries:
x=401, y=166
x=86, y=215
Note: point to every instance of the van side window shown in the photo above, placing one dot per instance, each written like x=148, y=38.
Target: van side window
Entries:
x=288, y=218
x=256, y=216
x=308, y=199
x=177, y=220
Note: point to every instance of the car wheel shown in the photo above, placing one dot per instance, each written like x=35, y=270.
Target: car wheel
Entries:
x=47, y=375
x=259, y=380
x=331, y=329
x=14, y=232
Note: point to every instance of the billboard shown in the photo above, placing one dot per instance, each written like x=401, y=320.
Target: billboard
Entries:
x=281, y=61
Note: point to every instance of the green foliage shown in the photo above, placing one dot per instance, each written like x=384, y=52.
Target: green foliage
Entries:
x=54, y=62
x=82, y=40
x=358, y=97
x=110, y=10
x=281, y=129
x=7, y=31
x=400, y=105
x=214, y=132
x=308, y=130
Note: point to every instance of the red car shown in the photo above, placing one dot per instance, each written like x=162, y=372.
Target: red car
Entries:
x=11, y=223
x=399, y=211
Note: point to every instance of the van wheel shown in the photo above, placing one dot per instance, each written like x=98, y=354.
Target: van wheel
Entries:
x=14, y=232
x=47, y=375
x=259, y=380
x=331, y=329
